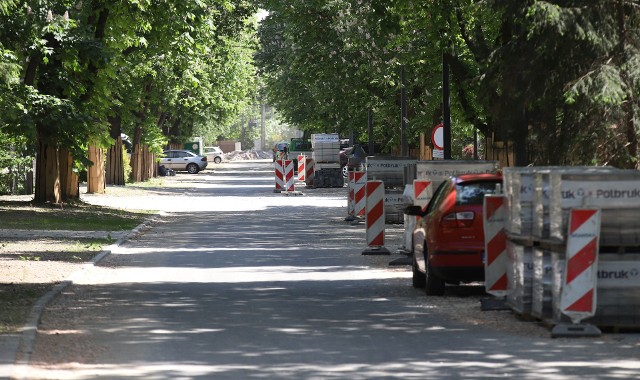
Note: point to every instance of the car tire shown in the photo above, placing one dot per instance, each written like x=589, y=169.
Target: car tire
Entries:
x=419, y=280
x=193, y=169
x=217, y=160
x=434, y=285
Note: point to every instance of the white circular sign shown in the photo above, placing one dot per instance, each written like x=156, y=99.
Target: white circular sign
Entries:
x=437, y=137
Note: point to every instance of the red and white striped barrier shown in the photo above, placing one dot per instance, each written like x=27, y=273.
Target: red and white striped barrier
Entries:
x=422, y=191
x=495, y=244
x=301, y=167
x=309, y=177
x=578, y=296
x=375, y=221
x=289, y=182
x=359, y=193
x=351, y=197
x=279, y=172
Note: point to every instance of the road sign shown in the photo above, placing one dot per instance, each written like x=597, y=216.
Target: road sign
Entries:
x=437, y=137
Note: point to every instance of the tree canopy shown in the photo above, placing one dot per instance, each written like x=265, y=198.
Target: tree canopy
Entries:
x=68, y=68
x=558, y=78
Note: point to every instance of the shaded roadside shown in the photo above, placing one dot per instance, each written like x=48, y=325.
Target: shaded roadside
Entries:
x=42, y=246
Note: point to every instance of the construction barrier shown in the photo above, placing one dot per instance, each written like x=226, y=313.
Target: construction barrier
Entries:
x=422, y=191
x=495, y=240
x=351, y=196
x=289, y=182
x=359, y=192
x=578, y=297
x=301, y=167
x=309, y=176
x=279, y=172
x=375, y=218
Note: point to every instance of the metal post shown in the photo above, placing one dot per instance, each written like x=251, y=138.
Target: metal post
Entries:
x=262, y=128
x=446, y=105
x=403, y=114
x=475, y=144
x=370, y=131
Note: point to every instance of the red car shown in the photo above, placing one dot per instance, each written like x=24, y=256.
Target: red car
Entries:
x=448, y=242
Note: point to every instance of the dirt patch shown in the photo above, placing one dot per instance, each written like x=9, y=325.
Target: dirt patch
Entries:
x=31, y=267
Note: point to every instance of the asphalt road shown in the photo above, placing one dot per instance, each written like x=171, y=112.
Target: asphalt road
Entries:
x=237, y=282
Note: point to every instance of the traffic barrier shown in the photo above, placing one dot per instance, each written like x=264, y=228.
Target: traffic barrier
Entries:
x=309, y=177
x=279, y=175
x=289, y=183
x=360, y=191
x=578, y=297
x=350, y=198
x=375, y=219
x=495, y=240
x=301, y=167
x=422, y=191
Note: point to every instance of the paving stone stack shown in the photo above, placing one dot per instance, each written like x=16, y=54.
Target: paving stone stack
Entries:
x=537, y=231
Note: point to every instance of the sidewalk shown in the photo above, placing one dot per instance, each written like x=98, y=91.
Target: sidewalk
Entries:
x=15, y=349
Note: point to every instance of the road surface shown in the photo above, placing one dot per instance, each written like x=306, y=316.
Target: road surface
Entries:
x=237, y=282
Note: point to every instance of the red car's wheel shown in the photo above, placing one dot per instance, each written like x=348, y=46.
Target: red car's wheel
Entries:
x=419, y=279
x=434, y=285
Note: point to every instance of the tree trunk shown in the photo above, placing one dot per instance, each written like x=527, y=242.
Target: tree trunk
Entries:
x=115, y=164
x=95, y=173
x=136, y=155
x=148, y=163
x=47, y=175
x=69, y=181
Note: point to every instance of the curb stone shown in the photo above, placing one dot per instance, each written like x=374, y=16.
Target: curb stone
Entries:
x=28, y=336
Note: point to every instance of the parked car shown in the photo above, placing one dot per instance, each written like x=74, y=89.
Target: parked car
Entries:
x=214, y=153
x=351, y=159
x=448, y=242
x=183, y=160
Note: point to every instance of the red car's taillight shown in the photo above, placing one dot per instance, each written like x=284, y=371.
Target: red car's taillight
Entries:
x=458, y=219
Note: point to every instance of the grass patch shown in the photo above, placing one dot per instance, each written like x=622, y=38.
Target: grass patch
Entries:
x=17, y=301
x=76, y=217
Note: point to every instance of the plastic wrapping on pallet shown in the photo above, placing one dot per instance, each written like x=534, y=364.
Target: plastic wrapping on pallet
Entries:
x=519, y=277
x=519, y=187
x=318, y=138
x=616, y=192
x=390, y=170
x=541, y=299
x=326, y=152
x=394, y=206
x=618, y=299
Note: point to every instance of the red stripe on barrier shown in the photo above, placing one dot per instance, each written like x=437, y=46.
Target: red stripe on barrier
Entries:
x=584, y=304
x=501, y=284
x=375, y=214
x=372, y=186
x=493, y=204
x=360, y=193
x=378, y=241
x=578, y=217
x=496, y=246
x=582, y=260
x=420, y=186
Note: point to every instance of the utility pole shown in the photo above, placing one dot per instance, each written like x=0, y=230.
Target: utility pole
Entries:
x=446, y=105
x=370, y=132
x=262, y=128
x=403, y=115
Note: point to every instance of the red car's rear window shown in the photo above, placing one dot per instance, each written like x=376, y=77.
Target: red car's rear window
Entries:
x=472, y=193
